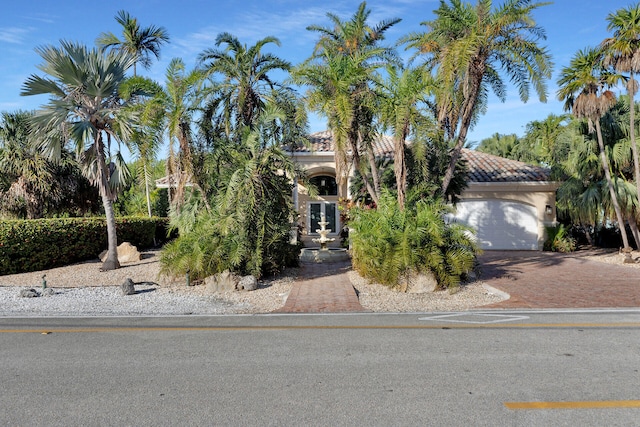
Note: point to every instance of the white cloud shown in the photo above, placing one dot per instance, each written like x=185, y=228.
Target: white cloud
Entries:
x=14, y=35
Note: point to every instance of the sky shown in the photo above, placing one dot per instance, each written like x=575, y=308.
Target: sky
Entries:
x=193, y=25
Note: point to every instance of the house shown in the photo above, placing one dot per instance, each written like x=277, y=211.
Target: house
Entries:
x=508, y=203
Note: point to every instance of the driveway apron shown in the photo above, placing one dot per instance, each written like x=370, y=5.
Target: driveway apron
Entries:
x=552, y=280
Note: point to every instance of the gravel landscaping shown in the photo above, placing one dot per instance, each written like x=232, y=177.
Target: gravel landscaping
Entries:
x=83, y=290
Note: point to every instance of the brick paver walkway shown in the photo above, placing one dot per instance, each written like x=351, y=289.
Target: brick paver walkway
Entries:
x=322, y=288
x=550, y=280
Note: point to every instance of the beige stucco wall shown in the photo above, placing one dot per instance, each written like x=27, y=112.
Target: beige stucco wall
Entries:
x=314, y=165
x=537, y=194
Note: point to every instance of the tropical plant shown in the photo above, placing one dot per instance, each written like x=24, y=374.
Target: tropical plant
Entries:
x=247, y=83
x=402, y=102
x=584, y=85
x=32, y=185
x=247, y=229
x=559, y=239
x=339, y=76
x=170, y=112
x=501, y=145
x=623, y=52
x=85, y=106
x=139, y=42
x=467, y=47
x=389, y=244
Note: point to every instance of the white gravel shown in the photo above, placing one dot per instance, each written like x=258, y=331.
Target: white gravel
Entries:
x=83, y=290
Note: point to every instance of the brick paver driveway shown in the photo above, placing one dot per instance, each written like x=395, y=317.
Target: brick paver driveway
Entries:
x=551, y=280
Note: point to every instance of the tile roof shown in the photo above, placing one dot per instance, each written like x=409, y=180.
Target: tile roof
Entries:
x=482, y=167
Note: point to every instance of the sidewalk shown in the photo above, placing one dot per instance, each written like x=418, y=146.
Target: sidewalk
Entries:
x=322, y=288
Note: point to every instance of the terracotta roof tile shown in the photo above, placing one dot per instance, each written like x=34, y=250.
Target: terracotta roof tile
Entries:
x=482, y=167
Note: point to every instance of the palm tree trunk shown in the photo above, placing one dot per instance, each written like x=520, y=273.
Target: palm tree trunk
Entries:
x=111, y=263
x=612, y=191
x=146, y=189
x=467, y=116
x=632, y=132
x=399, y=165
x=634, y=229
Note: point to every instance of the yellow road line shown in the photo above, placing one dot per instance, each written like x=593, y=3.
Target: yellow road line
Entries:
x=325, y=327
x=574, y=405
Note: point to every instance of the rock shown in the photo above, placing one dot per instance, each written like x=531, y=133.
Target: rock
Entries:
x=126, y=253
x=222, y=282
x=47, y=292
x=418, y=283
x=128, y=287
x=29, y=293
x=248, y=283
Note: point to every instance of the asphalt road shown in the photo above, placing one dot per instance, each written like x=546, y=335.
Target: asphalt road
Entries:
x=489, y=368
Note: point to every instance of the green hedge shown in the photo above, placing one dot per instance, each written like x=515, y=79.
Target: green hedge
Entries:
x=40, y=244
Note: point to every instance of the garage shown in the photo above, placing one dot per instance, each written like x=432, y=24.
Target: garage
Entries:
x=500, y=224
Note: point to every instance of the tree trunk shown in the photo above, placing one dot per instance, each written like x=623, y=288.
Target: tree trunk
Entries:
x=634, y=229
x=111, y=263
x=612, y=191
x=146, y=189
x=399, y=166
x=467, y=116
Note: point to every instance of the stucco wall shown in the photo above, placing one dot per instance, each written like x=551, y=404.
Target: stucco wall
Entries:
x=539, y=195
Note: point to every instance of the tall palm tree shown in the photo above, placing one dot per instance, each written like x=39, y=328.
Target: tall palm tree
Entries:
x=140, y=42
x=247, y=81
x=584, y=87
x=85, y=106
x=623, y=52
x=402, y=92
x=171, y=110
x=468, y=47
x=339, y=75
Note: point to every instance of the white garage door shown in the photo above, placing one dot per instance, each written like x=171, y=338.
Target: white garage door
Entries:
x=500, y=224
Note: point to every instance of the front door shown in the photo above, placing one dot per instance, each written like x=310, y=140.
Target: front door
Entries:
x=330, y=210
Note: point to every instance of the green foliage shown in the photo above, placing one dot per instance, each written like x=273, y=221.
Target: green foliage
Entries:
x=247, y=227
x=41, y=244
x=559, y=240
x=389, y=243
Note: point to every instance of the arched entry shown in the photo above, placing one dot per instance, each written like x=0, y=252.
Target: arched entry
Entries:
x=327, y=205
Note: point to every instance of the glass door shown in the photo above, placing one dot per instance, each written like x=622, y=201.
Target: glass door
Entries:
x=330, y=210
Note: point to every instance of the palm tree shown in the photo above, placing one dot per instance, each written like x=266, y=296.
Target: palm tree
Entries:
x=85, y=106
x=500, y=145
x=27, y=169
x=339, y=76
x=623, y=52
x=246, y=83
x=584, y=88
x=140, y=42
x=467, y=47
x=171, y=110
x=402, y=93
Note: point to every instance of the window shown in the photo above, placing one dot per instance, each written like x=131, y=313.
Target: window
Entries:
x=326, y=185
x=330, y=210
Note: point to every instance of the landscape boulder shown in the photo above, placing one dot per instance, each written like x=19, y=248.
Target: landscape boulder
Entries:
x=418, y=283
x=222, y=282
x=29, y=293
x=128, y=287
x=248, y=283
x=126, y=253
x=47, y=292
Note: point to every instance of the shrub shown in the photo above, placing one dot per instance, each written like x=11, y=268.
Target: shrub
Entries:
x=389, y=243
x=31, y=245
x=559, y=240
